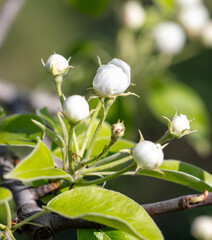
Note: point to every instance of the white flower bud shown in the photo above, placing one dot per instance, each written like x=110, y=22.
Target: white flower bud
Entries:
x=148, y=155
x=202, y=228
x=76, y=108
x=112, y=78
x=194, y=19
x=56, y=65
x=133, y=15
x=187, y=3
x=207, y=35
x=179, y=124
x=169, y=38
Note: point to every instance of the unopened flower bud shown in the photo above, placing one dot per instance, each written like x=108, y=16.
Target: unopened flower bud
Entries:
x=117, y=131
x=56, y=65
x=202, y=228
x=194, y=19
x=133, y=15
x=148, y=155
x=169, y=38
x=178, y=125
x=207, y=34
x=76, y=108
x=113, y=78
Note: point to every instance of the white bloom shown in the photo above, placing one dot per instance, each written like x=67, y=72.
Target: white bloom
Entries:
x=187, y=3
x=133, y=15
x=169, y=37
x=194, y=19
x=179, y=124
x=112, y=78
x=76, y=108
x=56, y=65
x=202, y=228
x=148, y=155
x=207, y=34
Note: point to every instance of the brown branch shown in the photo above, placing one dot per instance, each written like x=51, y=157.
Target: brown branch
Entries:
x=178, y=204
x=53, y=223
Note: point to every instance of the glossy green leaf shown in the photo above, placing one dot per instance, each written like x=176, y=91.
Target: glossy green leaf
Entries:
x=164, y=96
x=19, y=130
x=39, y=164
x=103, y=234
x=106, y=207
x=5, y=195
x=91, y=7
x=183, y=173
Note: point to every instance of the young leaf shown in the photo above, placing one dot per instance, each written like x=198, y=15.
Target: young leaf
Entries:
x=19, y=130
x=39, y=164
x=183, y=173
x=103, y=234
x=5, y=195
x=106, y=207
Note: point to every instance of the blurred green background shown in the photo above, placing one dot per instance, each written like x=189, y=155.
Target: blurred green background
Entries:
x=85, y=29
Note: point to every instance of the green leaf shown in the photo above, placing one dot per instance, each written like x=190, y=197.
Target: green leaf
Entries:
x=91, y=7
x=5, y=195
x=19, y=130
x=106, y=207
x=183, y=173
x=103, y=234
x=39, y=164
x=164, y=96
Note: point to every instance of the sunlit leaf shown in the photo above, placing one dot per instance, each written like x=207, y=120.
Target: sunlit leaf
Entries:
x=106, y=207
x=39, y=164
x=183, y=173
x=5, y=195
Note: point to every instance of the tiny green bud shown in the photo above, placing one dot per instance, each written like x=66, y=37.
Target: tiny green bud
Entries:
x=117, y=131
